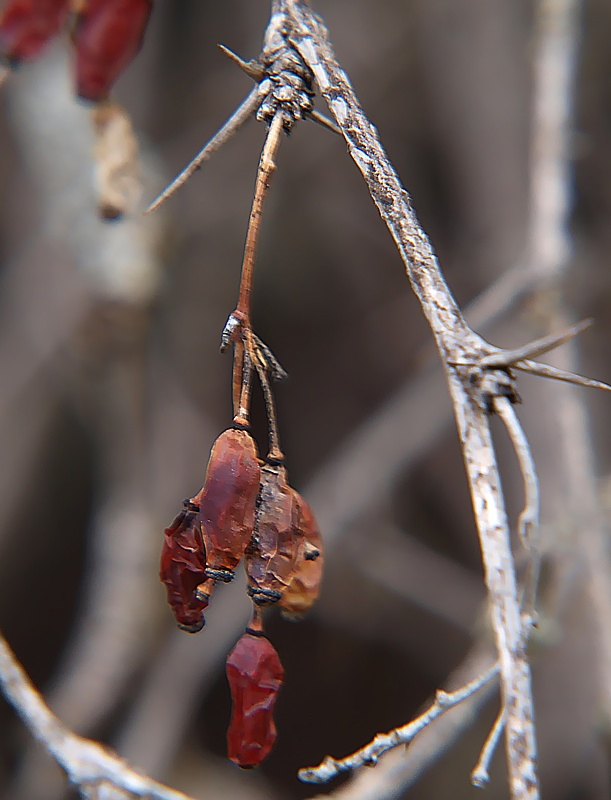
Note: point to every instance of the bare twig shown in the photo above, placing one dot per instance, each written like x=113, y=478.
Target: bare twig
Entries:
x=370, y=754
x=529, y=518
x=479, y=776
x=401, y=768
x=88, y=765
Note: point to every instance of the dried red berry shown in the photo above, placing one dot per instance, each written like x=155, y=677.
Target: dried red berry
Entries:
x=228, y=501
x=27, y=25
x=272, y=550
x=255, y=676
x=304, y=585
x=107, y=35
x=183, y=564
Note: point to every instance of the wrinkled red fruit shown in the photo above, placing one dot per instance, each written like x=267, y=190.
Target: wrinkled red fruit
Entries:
x=304, y=585
x=27, y=25
x=272, y=550
x=228, y=501
x=183, y=564
x=255, y=676
x=107, y=36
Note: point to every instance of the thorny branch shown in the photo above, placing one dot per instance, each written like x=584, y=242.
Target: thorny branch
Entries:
x=456, y=343
x=478, y=374
x=89, y=766
x=480, y=383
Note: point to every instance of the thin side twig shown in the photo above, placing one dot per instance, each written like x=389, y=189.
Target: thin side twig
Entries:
x=480, y=776
x=529, y=517
x=369, y=755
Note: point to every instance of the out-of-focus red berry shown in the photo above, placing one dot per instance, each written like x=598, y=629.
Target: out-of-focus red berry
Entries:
x=107, y=35
x=27, y=25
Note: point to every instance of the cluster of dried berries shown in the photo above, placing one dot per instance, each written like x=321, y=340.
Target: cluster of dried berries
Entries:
x=245, y=509
x=106, y=35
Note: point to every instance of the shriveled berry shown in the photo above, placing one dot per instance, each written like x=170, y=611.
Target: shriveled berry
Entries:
x=255, y=676
x=26, y=26
x=272, y=550
x=228, y=501
x=107, y=35
x=183, y=564
x=304, y=584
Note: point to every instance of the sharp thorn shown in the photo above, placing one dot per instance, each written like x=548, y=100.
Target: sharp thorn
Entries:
x=508, y=358
x=235, y=121
x=252, y=68
x=545, y=371
x=323, y=120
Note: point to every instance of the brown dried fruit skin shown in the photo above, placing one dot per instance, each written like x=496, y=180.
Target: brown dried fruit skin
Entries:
x=255, y=676
x=272, y=552
x=228, y=501
x=304, y=585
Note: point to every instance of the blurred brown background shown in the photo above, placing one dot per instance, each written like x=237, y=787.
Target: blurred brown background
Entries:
x=112, y=391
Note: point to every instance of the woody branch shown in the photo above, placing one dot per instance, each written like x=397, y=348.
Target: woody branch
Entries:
x=89, y=766
x=457, y=344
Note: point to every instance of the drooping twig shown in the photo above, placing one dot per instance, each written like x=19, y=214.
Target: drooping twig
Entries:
x=369, y=755
x=238, y=328
x=88, y=765
x=267, y=165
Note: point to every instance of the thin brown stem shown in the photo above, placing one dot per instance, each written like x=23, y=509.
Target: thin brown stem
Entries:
x=263, y=371
x=266, y=167
x=245, y=360
x=238, y=328
x=238, y=369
